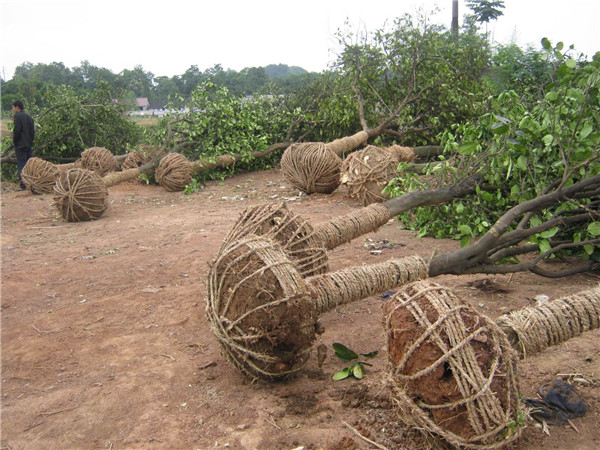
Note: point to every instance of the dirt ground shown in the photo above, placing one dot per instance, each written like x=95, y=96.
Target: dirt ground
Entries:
x=105, y=344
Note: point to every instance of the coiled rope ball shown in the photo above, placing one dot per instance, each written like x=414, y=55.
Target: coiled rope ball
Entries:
x=39, y=175
x=368, y=171
x=453, y=371
x=312, y=167
x=80, y=195
x=174, y=172
x=99, y=160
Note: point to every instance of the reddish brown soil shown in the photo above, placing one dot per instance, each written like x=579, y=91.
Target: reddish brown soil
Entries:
x=105, y=344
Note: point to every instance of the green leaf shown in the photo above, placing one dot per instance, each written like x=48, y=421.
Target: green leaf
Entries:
x=465, y=229
x=586, y=130
x=544, y=245
x=370, y=354
x=588, y=248
x=521, y=163
x=343, y=352
x=546, y=44
x=594, y=229
x=357, y=371
x=551, y=96
x=344, y=373
x=500, y=128
x=468, y=148
x=571, y=63
x=549, y=233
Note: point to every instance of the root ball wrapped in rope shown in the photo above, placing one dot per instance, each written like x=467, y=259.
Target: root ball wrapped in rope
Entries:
x=174, y=172
x=367, y=172
x=453, y=372
x=80, y=195
x=99, y=160
x=39, y=175
x=264, y=313
x=312, y=167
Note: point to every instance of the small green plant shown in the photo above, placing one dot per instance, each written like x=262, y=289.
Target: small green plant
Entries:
x=194, y=186
x=356, y=369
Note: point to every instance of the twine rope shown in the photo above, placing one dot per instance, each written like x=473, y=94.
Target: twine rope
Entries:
x=80, y=195
x=343, y=229
x=533, y=329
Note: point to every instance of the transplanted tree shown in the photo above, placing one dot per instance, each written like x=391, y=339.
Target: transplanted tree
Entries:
x=540, y=164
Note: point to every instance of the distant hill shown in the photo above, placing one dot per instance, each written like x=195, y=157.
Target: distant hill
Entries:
x=283, y=70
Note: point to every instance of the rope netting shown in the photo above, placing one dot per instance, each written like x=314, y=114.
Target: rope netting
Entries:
x=135, y=159
x=533, y=329
x=259, y=309
x=311, y=167
x=453, y=372
x=290, y=230
x=174, y=172
x=39, y=175
x=80, y=194
x=368, y=171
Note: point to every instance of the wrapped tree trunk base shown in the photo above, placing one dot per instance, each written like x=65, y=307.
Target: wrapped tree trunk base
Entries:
x=368, y=171
x=99, y=160
x=80, y=195
x=174, y=172
x=453, y=373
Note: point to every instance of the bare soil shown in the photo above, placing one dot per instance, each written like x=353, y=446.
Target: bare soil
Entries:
x=105, y=343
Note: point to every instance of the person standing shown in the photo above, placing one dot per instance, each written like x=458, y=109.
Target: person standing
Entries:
x=23, y=134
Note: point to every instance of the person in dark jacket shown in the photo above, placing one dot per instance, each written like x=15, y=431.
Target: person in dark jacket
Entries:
x=23, y=134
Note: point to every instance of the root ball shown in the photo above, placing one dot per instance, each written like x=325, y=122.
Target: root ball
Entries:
x=39, y=175
x=312, y=167
x=259, y=309
x=367, y=172
x=99, y=160
x=453, y=371
x=174, y=172
x=80, y=195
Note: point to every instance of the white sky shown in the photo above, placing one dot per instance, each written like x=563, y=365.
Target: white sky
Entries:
x=167, y=37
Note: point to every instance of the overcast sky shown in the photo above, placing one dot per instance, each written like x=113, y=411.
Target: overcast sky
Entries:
x=167, y=37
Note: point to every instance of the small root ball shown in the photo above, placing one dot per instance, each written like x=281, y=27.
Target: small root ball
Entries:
x=311, y=167
x=39, y=175
x=99, y=160
x=80, y=195
x=453, y=371
x=260, y=309
x=174, y=172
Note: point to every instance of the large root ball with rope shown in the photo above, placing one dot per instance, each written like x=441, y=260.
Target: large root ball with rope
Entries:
x=39, y=175
x=99, y=160
x=80, y=195
x=453, y=371
x=135, y=159
x=174, y=172
x=259, y=309
x=312, y=167
x=368, y=171
x=295, y=234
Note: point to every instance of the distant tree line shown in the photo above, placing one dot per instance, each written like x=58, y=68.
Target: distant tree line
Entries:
x=30, y=81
